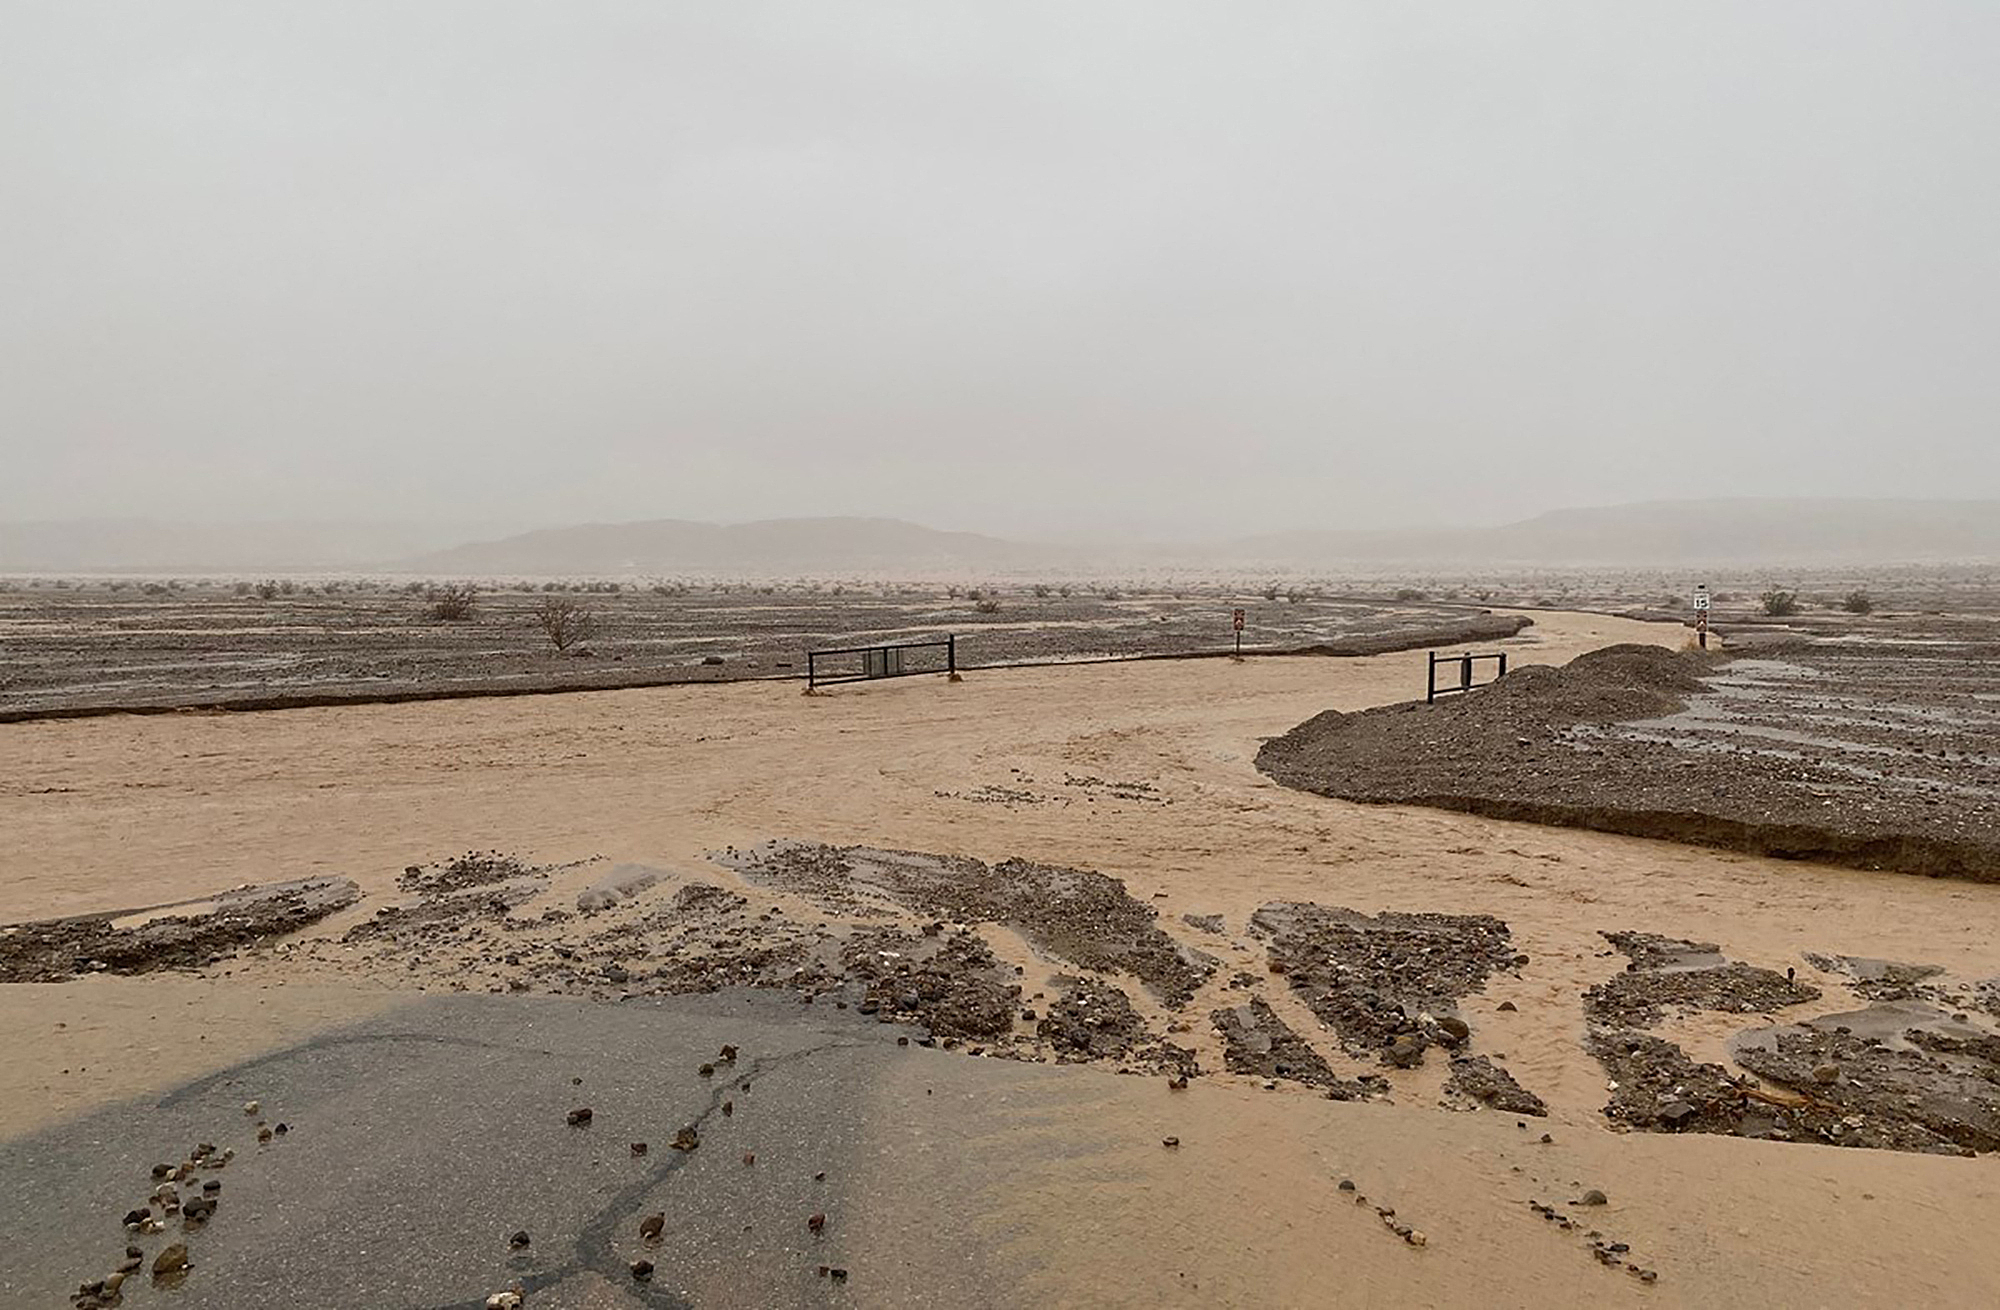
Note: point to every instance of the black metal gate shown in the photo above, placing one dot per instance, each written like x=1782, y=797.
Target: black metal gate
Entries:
x=1460, y=668
x=865, y=663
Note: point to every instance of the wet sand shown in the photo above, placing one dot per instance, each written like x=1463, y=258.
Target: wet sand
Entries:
x=1144, y=772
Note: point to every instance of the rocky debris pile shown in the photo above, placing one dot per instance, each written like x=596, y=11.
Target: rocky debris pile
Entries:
x=1406, y=752
x=1939, y=1094
x=1930, y=1091
x=694, y=907
x=955, y=985
x=1093, y=1020
x=1585, y=745
x=1641, y=998
x=1657, y=1087
x=1082, y=916
x=453, y=899
x=1668, y=974
x=1256, y=1041
x=824, y=874
x=1477, y=1078
x=1387, y=984
x=737, y=958
x=56, y=949
x=1366, y=1087
x=462, y=873
x=1881, y=980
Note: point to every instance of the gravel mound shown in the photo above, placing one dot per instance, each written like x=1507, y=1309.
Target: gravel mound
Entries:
x=1609, y=741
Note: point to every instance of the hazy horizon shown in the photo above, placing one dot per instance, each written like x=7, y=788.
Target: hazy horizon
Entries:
x=1152, y=270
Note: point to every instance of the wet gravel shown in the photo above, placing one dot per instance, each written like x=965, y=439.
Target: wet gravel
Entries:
x=57, y=949
x=1078, y=915
x=1256, y=1041
x=1477, y=1078
x=1873, y=754
x=1387, y=985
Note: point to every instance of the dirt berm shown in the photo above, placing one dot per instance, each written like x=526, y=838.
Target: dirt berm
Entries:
x=1513, y=751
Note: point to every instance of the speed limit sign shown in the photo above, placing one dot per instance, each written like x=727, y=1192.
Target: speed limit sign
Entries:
x=1701, y=597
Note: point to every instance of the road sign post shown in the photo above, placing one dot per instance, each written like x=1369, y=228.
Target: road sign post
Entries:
x=1236, y=622
x=1701, y=614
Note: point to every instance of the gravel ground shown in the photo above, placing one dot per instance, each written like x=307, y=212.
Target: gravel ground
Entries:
x=1841, y=749
x=90, y=649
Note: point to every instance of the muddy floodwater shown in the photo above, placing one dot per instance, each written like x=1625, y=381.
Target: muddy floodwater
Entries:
x=1031, y=989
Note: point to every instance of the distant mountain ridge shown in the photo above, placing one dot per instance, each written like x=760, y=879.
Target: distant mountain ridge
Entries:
x=1723, y=531
x=1794, y=532
x=768, y=546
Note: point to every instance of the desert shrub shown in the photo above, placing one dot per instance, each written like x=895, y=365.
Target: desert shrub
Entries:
x=1779, y=603
x=1858, y=602
x=1042, y=590
x=1112, y=593
x=288, y=588
x=266, y=590
x=1410, y=593
x=241, y=588
x=987, y=605
x=975, y=595
x=564, y=622
x=1272, y=592
x=953, y=593
x=453, y=602
x=155, y=589
x=1294, y=596
x=1063, y=592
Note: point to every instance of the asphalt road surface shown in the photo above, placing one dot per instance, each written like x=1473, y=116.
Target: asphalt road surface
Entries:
x=420, y=1141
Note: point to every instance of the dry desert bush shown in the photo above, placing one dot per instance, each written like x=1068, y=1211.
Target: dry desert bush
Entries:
x=563, y=621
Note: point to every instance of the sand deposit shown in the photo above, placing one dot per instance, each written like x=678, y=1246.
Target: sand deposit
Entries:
x=829, y=851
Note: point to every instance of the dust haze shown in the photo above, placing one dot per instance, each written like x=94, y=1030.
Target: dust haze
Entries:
x=1039, y=271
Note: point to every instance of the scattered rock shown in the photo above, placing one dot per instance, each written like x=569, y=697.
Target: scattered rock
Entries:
x=579, y=1116
x=1477, y=1078
x=171, y=1260
x=1369, y=978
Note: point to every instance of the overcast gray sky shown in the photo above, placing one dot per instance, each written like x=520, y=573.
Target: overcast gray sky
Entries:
x=1014, y=267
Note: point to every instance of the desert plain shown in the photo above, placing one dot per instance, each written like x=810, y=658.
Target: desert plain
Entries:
x=1030, y=988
